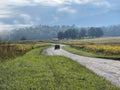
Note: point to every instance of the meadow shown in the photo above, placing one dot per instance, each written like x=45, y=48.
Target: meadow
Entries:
x=100, y=47
x=34, y=71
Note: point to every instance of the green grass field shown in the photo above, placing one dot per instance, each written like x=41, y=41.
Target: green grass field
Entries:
x=34, y=71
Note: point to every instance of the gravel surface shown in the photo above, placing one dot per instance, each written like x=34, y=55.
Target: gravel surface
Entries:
x=109, y=69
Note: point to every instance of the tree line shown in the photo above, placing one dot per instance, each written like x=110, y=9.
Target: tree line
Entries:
x=44, y=32
x=74, y=33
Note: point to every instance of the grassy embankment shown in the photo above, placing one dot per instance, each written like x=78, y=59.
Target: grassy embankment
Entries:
x=102, y=48
x=34, y=71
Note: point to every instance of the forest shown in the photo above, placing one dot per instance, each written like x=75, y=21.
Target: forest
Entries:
x=43, y=32
x=82, y=33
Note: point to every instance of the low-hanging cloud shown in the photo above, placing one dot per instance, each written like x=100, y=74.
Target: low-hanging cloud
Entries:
x=6, y=30
x=12, y=26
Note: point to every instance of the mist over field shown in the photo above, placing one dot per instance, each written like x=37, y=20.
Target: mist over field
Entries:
x=44, y=32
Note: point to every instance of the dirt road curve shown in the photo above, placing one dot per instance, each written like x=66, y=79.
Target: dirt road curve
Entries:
x=109, y=69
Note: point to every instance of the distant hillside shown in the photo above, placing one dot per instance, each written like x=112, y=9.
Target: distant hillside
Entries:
x=43, y=32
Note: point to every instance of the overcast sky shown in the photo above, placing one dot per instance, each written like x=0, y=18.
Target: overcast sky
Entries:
x=25, y=13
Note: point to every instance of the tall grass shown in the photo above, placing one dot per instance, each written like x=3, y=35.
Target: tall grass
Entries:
x=11, y=50
x=104, y=49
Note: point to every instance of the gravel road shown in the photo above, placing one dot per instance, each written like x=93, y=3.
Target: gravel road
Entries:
x=109, y=69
